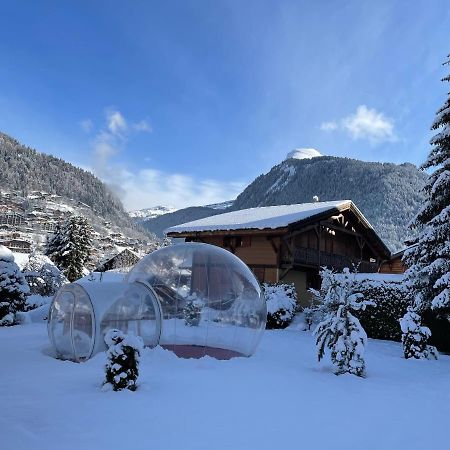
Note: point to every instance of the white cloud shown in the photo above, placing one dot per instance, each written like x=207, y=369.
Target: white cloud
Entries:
x=105, y=146
x=86, y=125
x=142, y=125
x=149, y=187
x=329, y=126
x=116, y=122
x=365, y=123
x=112, y=138
x=369, y=124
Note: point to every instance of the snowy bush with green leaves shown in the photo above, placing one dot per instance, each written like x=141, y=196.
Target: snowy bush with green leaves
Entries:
x=13, y=288
x=415, y=337
x=340, y=330
x=281, y=301
x=123, y=354
x=380, y=320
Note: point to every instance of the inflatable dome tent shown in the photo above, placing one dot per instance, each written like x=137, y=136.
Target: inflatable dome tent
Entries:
x=195, y=299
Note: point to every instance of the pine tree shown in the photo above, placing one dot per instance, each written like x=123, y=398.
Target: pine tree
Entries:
x=54, y=244
x=340, y=331
x=70, y=247
x=13, y=288
x=415, y=337
x=122, y=367
x=428, y=276
x=192, y=311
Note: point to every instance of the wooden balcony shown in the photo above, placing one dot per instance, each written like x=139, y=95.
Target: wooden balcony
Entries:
x=312, y=257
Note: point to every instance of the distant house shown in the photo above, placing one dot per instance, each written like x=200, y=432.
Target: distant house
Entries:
x=291, y=242
x=17, y=245
x=11, y=218
x=126, y=258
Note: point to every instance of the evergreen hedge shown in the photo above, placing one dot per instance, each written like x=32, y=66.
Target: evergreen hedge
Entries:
x=382, y=320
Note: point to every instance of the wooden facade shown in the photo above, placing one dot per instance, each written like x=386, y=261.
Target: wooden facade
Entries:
x=394, y=264
x=294, y=253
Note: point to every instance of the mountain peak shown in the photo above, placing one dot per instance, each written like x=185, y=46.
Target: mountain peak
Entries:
x=303, y=153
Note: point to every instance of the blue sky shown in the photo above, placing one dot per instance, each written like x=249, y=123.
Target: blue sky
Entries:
x=185, y=102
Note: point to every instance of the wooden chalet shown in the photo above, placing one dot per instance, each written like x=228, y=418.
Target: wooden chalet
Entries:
x=291, y=242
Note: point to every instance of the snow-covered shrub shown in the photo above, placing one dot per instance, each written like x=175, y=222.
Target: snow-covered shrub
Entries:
x=415, y=337
x=192, y=311
x=281, y=300
x=308, y=314
x=13, y=288
x=122, y=367
x=380, y=321
x=340, y=331
x=43, y=277
x=36, y=309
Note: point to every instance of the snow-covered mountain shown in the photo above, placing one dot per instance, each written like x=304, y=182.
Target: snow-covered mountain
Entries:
x=303, y=153
x=150, y=213
x=224, y=205
x=388, y=194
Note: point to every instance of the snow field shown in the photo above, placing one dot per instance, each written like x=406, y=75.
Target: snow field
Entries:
x=280, y=398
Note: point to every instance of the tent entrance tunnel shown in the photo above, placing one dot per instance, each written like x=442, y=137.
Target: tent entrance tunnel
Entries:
x=194, y=299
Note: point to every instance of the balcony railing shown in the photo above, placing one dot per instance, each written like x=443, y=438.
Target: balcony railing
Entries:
x=312, y=257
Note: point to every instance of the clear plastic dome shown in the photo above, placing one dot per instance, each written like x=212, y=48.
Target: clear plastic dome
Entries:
x=211, y=302
x=81, y=314
x=195, y=299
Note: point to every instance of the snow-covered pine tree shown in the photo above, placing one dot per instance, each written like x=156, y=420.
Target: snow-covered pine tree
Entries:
x=428, y=259
x=55, y=244
x=415, y=337
x=13, y=288
x=70, y=247
x=122, y=368
x=192, y=311
x=340, y=331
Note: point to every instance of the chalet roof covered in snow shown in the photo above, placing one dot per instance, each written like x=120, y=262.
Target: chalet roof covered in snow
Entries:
x=265, y=217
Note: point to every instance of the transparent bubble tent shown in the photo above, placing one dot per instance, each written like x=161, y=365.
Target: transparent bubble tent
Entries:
x=194, y=299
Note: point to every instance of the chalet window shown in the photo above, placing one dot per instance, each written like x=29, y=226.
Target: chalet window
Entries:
x=236, y=241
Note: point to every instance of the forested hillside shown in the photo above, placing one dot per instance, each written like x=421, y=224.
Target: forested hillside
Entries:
x=159, y=224
x=24, y=169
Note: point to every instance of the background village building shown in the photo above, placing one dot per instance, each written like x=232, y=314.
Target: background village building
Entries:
x=17, y=245
x=125, y=259
x=291, y=242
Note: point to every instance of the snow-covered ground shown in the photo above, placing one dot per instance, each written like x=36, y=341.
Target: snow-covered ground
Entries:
x=280, y=398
